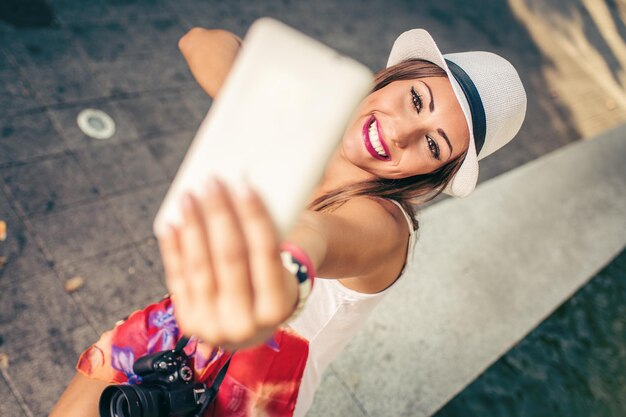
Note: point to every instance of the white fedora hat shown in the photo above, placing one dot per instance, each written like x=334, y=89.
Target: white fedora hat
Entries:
x=489, y=91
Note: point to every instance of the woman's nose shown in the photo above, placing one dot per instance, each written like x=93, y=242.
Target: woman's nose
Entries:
x=408, y=131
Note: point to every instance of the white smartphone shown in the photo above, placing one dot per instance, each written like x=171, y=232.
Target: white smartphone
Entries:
x=280, y=115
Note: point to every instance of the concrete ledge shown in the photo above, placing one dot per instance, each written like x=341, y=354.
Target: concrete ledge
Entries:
x=487, y=270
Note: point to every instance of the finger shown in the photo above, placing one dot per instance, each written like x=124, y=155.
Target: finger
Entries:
x=198, y=273
x=195, y=250
x=272, y=304
x=230, y=262
x=169, y=246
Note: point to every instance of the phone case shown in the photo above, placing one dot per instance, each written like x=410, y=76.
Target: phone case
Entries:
x=280, y=115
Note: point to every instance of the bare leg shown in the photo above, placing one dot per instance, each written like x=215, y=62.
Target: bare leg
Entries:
x=80, y=398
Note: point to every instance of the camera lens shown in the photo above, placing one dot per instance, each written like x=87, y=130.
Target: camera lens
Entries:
x=119, y=406
x=132, y=401
x=119, y=401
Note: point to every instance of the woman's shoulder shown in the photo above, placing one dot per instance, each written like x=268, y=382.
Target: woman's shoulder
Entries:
x=387, y=212
x=382, y=222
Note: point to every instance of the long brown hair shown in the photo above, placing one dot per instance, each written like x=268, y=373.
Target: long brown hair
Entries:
x=409, y=191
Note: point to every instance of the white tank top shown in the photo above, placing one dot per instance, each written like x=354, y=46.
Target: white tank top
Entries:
x=332, y=316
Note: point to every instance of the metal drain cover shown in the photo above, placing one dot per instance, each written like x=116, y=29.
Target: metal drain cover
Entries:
x=96, y=123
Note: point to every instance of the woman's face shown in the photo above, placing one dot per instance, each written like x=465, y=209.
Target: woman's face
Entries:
x=408, y=127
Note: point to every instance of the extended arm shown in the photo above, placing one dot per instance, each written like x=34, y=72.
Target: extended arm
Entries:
x=363, y=243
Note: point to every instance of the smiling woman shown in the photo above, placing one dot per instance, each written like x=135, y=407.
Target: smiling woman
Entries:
x=235, y=287
x=416, y=172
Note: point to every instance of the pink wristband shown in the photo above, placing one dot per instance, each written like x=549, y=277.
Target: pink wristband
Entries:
x=300, y=255
x=296, y=261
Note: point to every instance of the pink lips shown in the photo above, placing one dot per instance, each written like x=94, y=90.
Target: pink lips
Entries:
x=368, y=143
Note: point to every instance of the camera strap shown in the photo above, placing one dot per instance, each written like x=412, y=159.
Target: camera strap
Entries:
x=209, y=394
x=181, y=344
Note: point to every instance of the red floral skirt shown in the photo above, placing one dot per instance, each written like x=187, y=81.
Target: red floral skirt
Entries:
x=261, y=381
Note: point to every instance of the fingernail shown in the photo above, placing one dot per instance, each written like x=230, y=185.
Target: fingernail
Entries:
x=244, y=191
x=212, y=185
x=187, y=201
x=166, y=232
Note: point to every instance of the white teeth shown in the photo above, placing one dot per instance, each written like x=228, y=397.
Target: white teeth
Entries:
x=375, y=140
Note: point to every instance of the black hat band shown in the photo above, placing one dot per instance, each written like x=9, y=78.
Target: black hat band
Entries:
x=479, y=121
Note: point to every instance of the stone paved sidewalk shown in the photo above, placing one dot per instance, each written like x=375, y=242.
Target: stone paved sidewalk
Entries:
x=75, y=206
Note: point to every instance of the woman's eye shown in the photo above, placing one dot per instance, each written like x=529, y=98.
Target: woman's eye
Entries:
x=417, y=100
x=434, y=148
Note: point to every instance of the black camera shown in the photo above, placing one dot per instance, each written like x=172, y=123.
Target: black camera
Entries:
x=166, y=389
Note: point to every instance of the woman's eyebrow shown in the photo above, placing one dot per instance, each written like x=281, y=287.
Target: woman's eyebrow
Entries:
x=431, y=106
x=443, y=135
